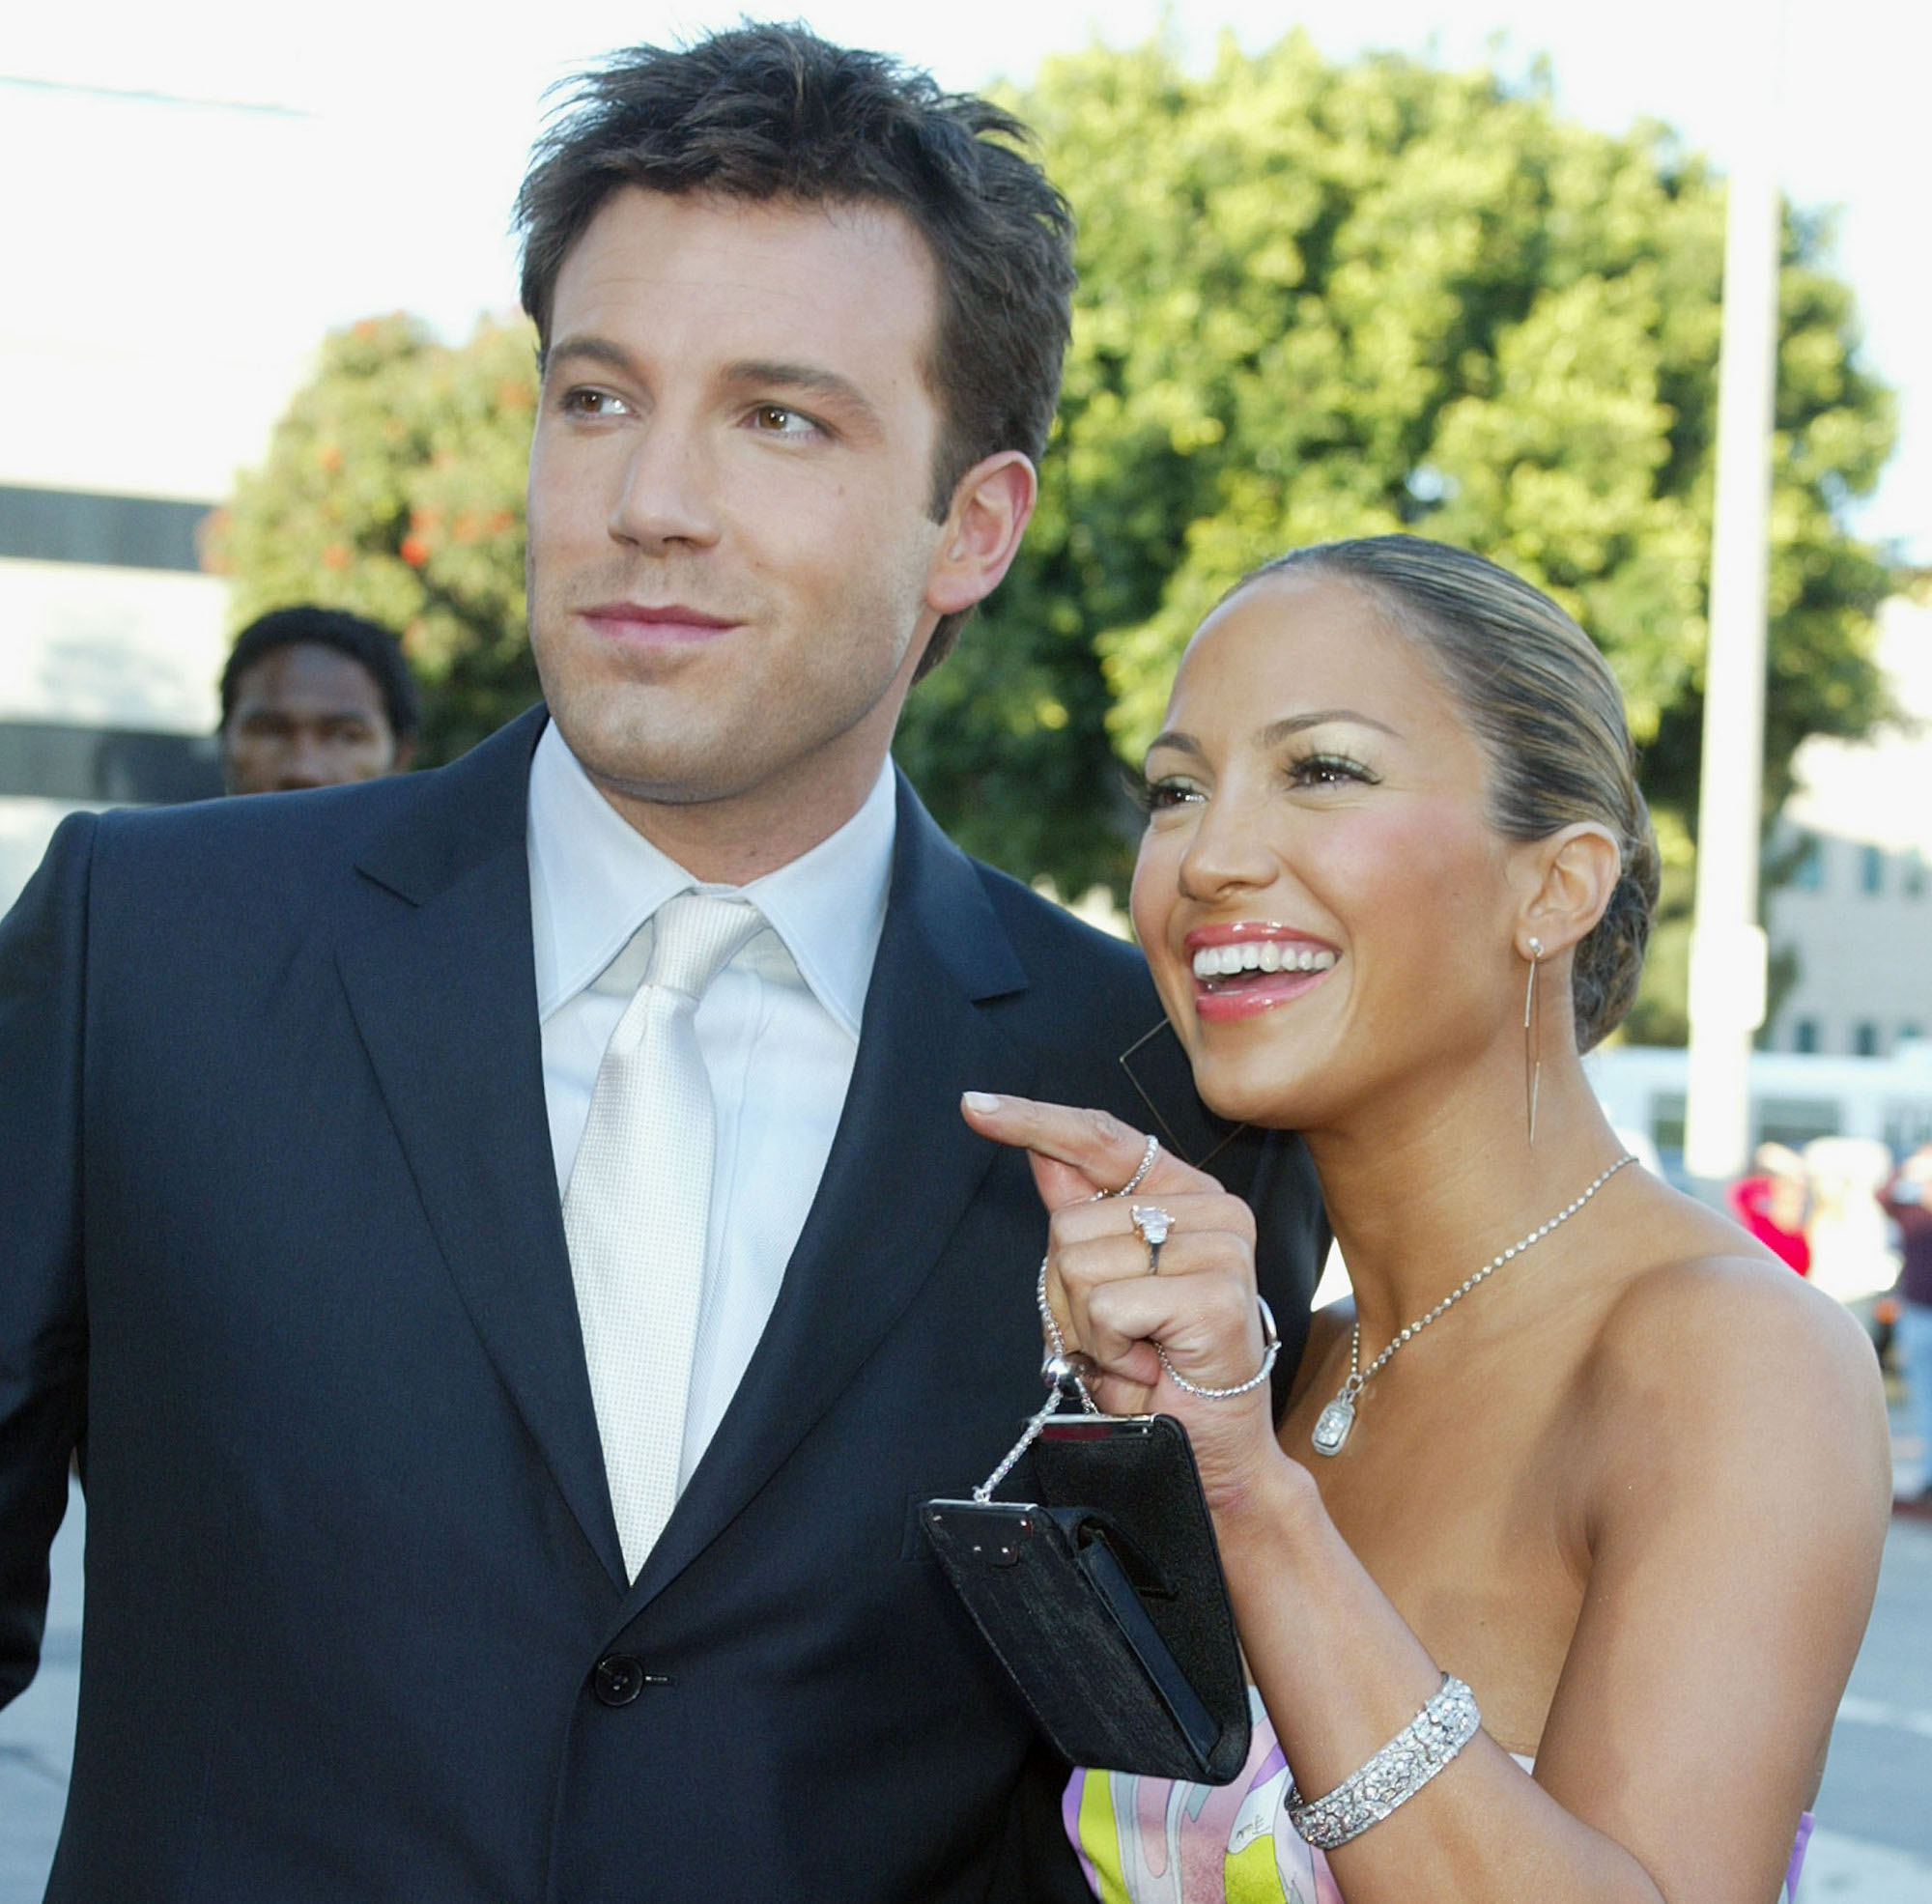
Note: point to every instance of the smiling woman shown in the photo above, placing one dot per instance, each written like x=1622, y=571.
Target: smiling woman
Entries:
x=1578, y=1458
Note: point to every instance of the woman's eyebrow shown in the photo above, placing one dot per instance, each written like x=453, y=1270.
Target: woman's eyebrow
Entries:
x=1177, y=743
x=1277, y=732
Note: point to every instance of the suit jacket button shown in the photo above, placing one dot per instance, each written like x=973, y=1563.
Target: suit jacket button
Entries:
x=617, y=1679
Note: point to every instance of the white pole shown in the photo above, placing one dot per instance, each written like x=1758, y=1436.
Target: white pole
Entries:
x=1727, y=946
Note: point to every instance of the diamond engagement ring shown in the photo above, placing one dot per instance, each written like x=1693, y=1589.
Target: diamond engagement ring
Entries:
x=1154, y=1225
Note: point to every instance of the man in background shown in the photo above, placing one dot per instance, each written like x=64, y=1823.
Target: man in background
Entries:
x=1905, y=1199
x=315, y=698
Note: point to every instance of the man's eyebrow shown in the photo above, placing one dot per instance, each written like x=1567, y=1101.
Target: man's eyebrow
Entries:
x=591, y=348
x=777, y=373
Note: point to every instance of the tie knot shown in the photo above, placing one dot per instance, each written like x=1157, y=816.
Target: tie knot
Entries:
x=695, y=936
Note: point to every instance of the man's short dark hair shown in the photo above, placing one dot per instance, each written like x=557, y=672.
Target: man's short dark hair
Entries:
x=766, y=112
x=367, y=641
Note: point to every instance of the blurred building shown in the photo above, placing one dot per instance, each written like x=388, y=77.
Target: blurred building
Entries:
x=1847, y=1056
x=1796, y=1098
x=110, y=642
x=1857, y=914
x=147, y=345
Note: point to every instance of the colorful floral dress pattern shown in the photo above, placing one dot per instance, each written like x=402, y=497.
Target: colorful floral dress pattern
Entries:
x=1155, y=1842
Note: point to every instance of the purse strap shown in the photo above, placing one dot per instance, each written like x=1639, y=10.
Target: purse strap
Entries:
x=1065, y=1379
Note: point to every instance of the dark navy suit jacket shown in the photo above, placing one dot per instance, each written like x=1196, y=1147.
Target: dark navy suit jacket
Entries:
x=281, y=1253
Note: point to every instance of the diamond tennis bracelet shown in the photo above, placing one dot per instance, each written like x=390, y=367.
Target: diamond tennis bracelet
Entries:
x=1394, y=1775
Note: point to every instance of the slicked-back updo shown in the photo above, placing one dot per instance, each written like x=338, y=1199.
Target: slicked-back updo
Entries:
x=1549, y=717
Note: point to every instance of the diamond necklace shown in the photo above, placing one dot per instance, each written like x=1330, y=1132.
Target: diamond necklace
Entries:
x=1333, y=1423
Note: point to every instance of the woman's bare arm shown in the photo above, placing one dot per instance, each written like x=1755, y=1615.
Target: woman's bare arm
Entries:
x=1738, y=1479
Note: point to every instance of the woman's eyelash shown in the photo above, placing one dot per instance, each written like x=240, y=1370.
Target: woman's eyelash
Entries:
x=1157, y=796
x=1326, y=769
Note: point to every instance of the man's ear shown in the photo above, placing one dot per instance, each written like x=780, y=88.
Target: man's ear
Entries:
x=1571, y=875
x=405, y=756
x=980, y=536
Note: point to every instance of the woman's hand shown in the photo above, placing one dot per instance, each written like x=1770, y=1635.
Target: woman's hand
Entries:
x=1201, y=1306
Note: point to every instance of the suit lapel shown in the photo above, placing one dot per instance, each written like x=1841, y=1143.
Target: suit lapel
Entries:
x=441, y=980
x=902, y=1150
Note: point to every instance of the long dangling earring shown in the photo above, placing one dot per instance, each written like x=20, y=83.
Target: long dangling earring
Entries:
x=1532, y=1038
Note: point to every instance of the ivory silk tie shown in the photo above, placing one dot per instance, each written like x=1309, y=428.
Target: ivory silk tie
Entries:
x=638, y=1208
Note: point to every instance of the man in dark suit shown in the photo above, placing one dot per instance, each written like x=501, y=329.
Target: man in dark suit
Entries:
x=503, y=1240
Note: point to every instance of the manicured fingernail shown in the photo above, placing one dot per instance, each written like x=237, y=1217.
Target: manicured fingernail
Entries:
x=980, y=1101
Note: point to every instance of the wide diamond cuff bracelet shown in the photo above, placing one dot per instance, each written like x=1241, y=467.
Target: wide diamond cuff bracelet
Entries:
x=1394, y=1775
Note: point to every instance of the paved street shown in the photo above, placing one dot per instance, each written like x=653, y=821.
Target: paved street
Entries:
x=1874, y=1844
x=37, y=1732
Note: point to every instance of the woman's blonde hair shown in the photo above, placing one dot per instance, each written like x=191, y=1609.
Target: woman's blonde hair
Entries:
x=1549, y=714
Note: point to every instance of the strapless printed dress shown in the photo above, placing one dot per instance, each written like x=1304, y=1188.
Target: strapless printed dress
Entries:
x=1155, y=1841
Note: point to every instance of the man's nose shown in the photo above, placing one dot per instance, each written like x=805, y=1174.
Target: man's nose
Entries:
x=306, y=761
x=667, y=493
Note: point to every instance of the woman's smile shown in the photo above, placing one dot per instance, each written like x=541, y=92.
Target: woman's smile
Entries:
x=1250, y=965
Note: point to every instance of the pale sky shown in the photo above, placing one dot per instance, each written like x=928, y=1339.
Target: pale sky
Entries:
x=334, y=162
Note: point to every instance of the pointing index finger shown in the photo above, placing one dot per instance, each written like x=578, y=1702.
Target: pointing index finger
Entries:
x=1077, y=1152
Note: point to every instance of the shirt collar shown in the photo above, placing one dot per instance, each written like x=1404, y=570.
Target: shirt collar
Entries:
x=595, y=879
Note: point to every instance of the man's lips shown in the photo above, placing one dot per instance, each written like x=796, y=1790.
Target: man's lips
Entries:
x=638, y=621
x=1249, y=965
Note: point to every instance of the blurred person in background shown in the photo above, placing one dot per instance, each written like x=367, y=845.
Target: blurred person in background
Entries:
x=1904, y=1199
x=315, y=698
x=1773, y=1203
x=1852, y=1257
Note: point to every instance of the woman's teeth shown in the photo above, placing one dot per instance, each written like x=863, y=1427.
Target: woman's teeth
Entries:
x=1264, y=955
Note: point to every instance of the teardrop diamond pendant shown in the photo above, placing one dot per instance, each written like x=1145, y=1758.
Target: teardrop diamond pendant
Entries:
x=1332, y=1425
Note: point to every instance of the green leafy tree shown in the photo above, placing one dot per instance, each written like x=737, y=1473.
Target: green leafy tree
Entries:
x=1320, y=300
x=394, y=487
x=1317, y=300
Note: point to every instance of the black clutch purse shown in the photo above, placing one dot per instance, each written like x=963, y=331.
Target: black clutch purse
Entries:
x=1104, y=1599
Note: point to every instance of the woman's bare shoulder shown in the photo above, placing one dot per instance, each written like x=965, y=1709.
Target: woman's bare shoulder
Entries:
x=1710, y=1343
x=1734, y=1472
x=1690, y=1283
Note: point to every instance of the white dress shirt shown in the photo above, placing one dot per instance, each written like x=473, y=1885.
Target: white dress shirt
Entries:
x=778, y=1029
